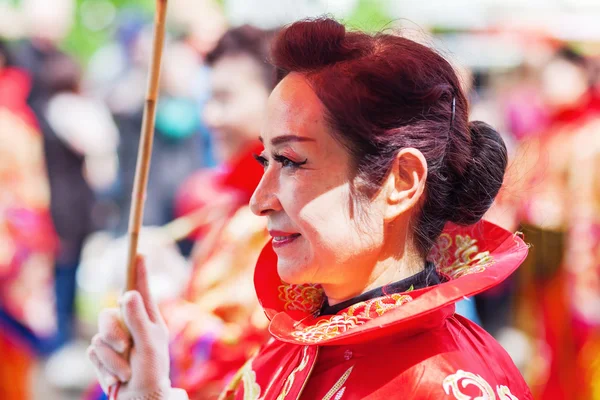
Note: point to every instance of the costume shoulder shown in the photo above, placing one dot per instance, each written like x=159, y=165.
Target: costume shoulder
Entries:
x=457, y=361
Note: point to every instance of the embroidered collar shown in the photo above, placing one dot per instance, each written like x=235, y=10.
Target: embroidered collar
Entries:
x=471, y=259
x=428, y=276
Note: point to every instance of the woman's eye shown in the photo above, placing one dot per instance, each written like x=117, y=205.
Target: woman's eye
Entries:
x=261, y=160
x=287, y=163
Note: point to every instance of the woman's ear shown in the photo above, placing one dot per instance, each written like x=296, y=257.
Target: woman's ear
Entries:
x=405, y=183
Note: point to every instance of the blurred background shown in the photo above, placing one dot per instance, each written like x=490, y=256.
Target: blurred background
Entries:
x=72, y=84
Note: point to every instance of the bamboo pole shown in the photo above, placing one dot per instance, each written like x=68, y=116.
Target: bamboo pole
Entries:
x=146, y=139
x=142, y=168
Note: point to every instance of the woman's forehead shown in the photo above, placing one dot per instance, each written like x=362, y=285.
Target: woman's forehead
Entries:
x=294, y=108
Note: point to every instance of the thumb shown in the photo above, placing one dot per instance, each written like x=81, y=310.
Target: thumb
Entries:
x=135, y=316
x=143, y=287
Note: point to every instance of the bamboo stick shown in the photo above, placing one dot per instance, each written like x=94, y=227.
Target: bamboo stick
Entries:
x=142, y=168
x=146, y=139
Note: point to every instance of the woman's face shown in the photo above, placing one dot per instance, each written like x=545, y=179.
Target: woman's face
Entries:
x=319, y=235
x=237, y=105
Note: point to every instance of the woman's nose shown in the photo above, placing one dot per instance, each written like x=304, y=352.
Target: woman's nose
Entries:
x=264, y=200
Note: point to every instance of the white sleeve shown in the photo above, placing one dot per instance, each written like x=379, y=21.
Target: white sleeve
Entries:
x=178, y=394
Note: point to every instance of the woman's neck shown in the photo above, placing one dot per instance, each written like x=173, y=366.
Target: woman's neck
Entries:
x=386, y=271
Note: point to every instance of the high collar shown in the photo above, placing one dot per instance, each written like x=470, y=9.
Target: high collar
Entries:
x=428, y=276
x=471, y=259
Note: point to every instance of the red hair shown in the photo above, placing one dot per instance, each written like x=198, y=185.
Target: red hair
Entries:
x=383, y=93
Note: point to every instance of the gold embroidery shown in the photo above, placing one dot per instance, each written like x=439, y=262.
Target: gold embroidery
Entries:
x=251, y=388
x=289, y=382
x=247, y=377
x=451, y=384
x=504, y=393
x=440, y=254
x=466, y=379
x=340, y=394
x=466, y=258
x=455, y=256
x=327, y=328
x=356, y=315
x=338, y=385
x=307, y=298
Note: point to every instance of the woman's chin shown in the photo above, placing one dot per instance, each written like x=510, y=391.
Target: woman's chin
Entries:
x=291, y=272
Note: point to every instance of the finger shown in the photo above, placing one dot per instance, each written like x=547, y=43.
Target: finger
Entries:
x=112, y=331
x=143, y=287
x=105, y=378
x=134, y=315
x=113, y=362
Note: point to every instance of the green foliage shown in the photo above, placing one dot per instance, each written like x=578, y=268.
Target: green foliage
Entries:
x=82, y=42
x=369, y=15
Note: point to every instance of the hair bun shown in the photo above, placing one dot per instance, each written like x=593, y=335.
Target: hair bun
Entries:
x=313, y=43
x=475, y=191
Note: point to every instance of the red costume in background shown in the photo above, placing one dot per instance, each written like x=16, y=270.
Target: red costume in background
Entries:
x=559, y=305
x=400, y=345
x=27, y=239
x=219, y=323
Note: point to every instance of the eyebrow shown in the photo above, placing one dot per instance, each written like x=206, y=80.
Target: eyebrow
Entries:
x=288, y=138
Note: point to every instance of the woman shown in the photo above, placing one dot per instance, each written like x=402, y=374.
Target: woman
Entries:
x=368, y=153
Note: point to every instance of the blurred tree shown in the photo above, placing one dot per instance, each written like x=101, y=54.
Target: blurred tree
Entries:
x=369, y=15
x=86, y=38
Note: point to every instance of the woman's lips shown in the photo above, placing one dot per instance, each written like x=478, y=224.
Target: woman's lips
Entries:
x=281, y=239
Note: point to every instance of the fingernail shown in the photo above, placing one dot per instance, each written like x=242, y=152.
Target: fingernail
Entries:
x=127, y=297
x=121, y=347
x=110, y=381
x=126, y=376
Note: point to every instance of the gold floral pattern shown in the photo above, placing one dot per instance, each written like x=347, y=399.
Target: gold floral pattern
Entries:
x=251, y=388
x=451, y=386
x=289, y=382
x=454, y=255
x=307, y=297
x=337, y=389
x=327, y=328
x=354, y=316
x=378, y=306
x=504, y=393
x=466, y=258
x=247, y=378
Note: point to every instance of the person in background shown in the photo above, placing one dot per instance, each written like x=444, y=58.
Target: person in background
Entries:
x=208, y=350
x=71, y=195
x=28, y=241
x=217, y=324
x=558, y=213
x=71, y=198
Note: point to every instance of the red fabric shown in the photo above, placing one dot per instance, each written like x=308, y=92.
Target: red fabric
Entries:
x=408, y=345
x=16, y=367
x=243, y=174
x=16, y=85
x=237, y=181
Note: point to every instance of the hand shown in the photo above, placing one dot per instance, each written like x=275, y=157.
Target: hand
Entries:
x=143, y=335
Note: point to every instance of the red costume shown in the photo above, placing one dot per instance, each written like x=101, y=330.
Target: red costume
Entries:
x=400, y=345
x=27, y=238
x=218, y=324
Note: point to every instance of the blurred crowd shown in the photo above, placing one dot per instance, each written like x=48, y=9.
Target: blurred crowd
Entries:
x=69, y=132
